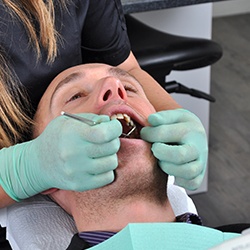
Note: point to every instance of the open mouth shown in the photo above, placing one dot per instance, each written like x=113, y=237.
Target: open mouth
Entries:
x=130, y=128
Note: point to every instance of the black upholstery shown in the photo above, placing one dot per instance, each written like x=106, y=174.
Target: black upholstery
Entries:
x=4, y=244
x=159, y=53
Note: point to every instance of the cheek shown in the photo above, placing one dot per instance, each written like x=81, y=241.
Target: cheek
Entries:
x=82, y=106
x=145, y=107
x=151, y=108
x=40, y=125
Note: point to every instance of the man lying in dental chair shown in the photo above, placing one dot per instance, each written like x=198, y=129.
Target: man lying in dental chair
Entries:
x=138, y=192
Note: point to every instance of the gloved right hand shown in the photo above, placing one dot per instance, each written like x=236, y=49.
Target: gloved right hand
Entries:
x=68, y=155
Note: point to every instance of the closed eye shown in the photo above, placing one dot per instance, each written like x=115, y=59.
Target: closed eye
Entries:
x=130, y=88
x=76, y=96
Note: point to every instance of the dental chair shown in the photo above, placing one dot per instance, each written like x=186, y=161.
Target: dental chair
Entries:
x=159, y=53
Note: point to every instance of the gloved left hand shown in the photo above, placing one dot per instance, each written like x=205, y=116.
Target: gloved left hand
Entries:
x=180, y=144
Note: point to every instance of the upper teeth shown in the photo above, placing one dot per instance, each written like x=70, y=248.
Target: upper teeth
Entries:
x=126, y=117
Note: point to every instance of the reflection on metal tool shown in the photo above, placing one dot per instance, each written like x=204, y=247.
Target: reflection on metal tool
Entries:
x=129, y=132
x=79, y=118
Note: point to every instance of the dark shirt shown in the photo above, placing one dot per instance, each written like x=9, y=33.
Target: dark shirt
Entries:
x=86, y=240
x=90, y=31
x=4, y=244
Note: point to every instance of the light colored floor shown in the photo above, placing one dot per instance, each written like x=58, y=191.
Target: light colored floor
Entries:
x=228, y=198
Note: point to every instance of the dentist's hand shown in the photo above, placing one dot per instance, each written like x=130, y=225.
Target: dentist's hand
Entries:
x=68, y=155
x=180, y=144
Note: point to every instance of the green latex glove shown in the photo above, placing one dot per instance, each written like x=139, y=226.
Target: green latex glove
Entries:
x=68, y=155
x=180, y=144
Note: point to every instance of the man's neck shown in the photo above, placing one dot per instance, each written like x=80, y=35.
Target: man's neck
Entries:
x=117, y=217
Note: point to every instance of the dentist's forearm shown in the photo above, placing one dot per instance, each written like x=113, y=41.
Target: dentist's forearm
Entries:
x=160, y=99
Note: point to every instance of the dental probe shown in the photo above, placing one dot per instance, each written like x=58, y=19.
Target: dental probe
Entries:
x=91, y=123
x=79, y=118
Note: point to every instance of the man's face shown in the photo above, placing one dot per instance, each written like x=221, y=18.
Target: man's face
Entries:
x=94, y=88
x=102, y=89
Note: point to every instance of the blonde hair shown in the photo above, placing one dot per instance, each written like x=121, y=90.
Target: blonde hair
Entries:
x=14, y=123
x=44, y=13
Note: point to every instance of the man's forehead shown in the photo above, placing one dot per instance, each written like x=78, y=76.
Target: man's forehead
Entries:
x=82, y=71
x=74, y=74
x=91, y=70
x=78, y=71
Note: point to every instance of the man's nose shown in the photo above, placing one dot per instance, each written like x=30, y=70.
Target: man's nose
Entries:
x=112, y=89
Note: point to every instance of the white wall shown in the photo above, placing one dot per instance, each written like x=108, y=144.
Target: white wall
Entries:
x=232, y=7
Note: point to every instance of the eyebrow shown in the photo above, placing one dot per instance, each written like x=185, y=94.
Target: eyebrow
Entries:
x=68, y=79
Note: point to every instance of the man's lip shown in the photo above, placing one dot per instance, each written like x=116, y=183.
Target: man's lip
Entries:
x=124, y=109
x=138, y=119
x=132, y=144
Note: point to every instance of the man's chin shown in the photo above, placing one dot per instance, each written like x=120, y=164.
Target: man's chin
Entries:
x=133, y=152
